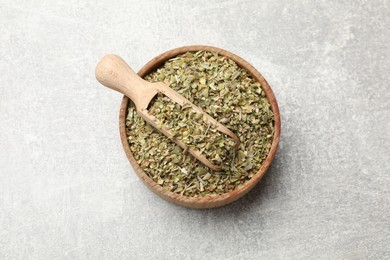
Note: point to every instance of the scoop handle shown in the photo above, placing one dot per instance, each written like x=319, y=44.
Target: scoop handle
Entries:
x=113, y=72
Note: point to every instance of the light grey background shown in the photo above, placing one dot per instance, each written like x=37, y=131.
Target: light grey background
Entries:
x=67, y=190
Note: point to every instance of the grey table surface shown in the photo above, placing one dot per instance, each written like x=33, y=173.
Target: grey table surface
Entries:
x=67, y=190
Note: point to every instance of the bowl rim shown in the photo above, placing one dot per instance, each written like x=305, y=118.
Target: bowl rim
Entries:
x=211, y=201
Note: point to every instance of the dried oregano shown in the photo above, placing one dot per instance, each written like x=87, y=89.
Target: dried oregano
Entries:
x=227, y=93
x=194, y=130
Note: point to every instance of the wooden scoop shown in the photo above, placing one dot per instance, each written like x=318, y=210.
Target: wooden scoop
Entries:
x=113, y=72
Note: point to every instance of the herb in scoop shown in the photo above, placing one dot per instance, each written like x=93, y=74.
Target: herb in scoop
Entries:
x=192, y=129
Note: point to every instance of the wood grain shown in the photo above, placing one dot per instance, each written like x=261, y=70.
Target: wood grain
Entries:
x=202, y=202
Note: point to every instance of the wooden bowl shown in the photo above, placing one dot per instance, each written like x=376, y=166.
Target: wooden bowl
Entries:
x=202, y=202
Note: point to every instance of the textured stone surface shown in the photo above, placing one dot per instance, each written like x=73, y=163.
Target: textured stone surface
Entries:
x=67, y=190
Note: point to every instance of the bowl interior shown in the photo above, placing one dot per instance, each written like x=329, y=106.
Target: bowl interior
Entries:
x=202, y=202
